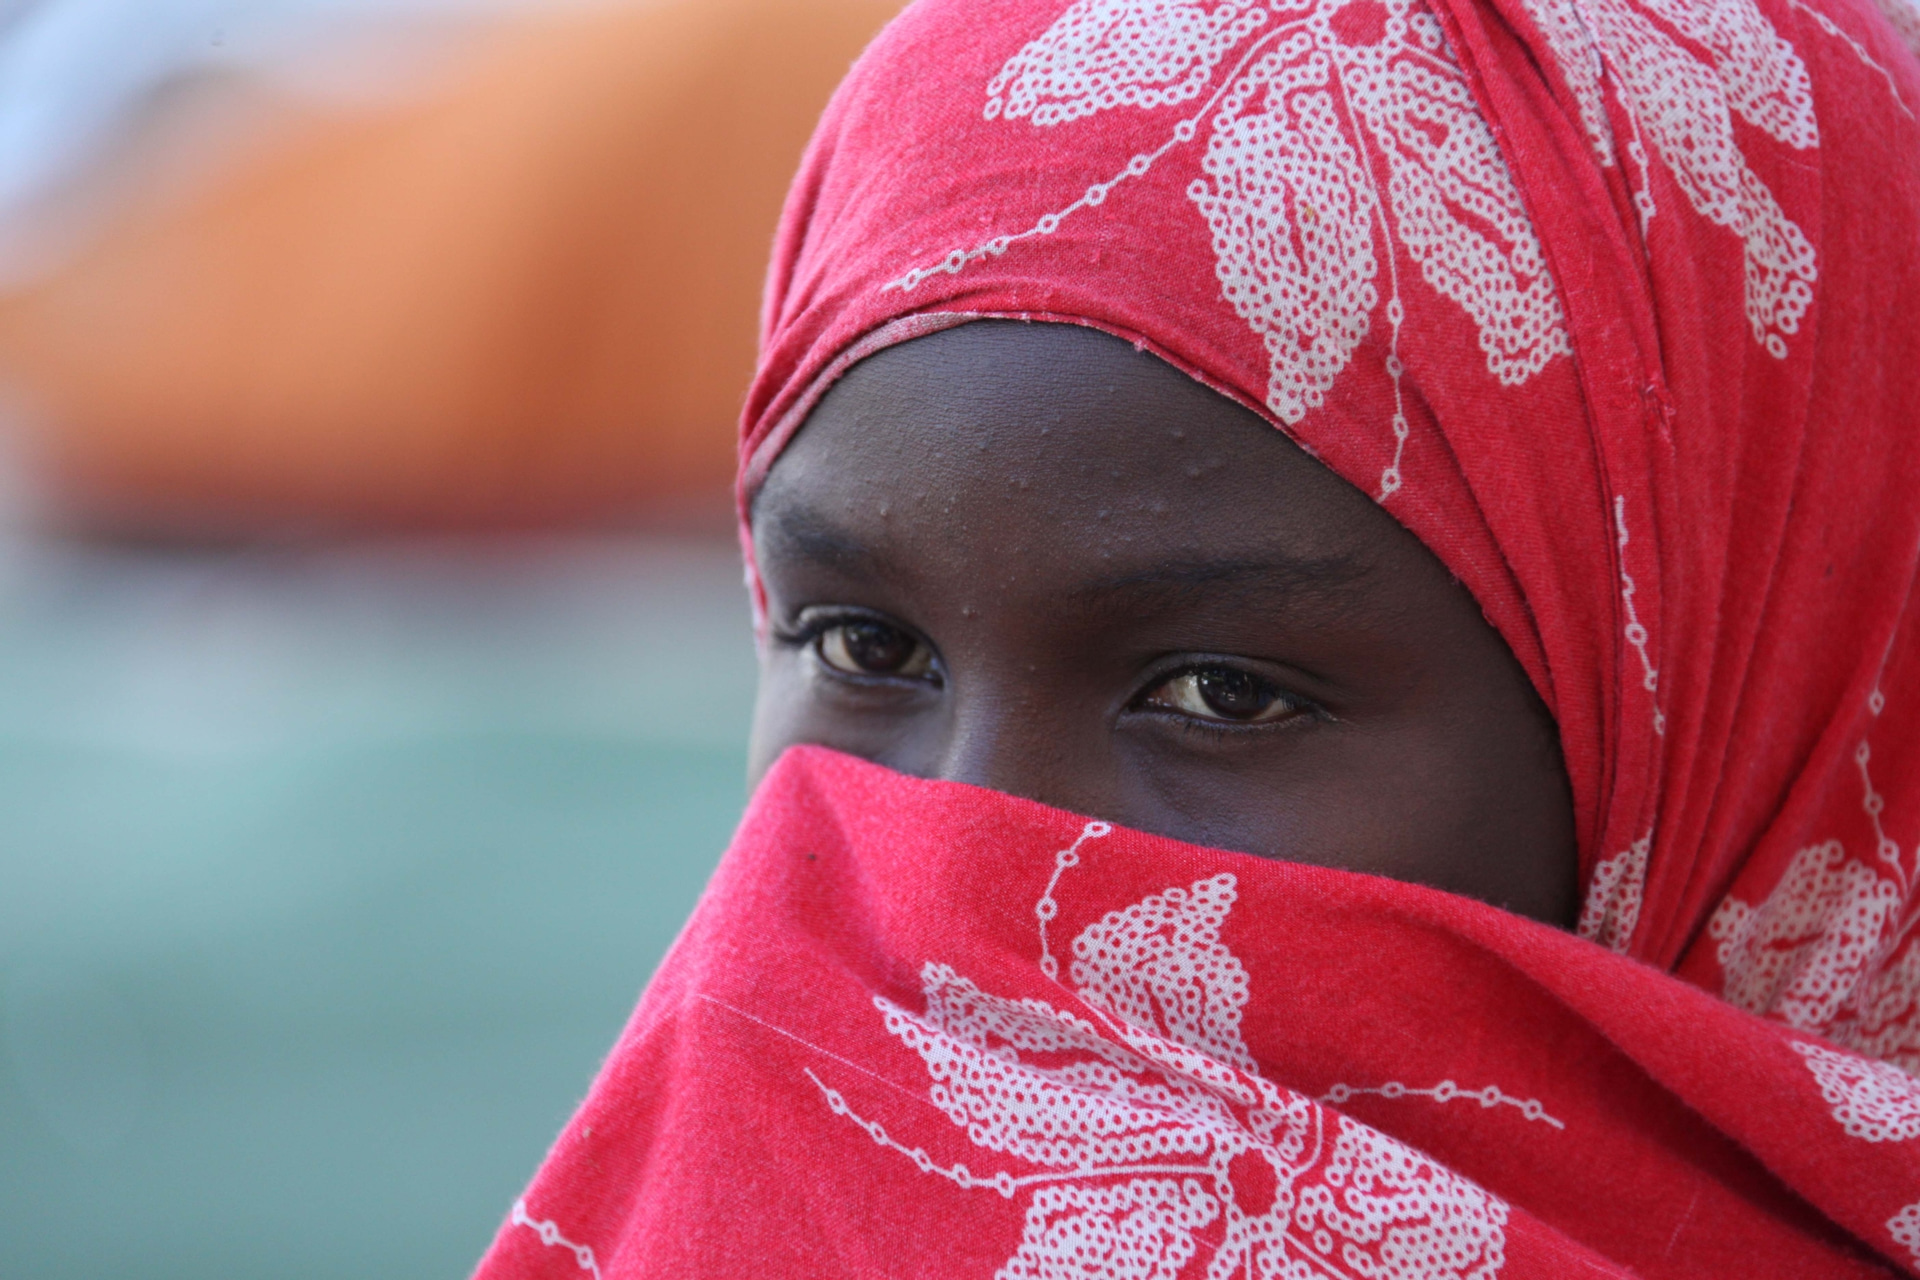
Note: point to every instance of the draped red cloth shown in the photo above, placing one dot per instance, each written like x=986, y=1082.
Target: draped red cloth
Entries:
x=1608, y=302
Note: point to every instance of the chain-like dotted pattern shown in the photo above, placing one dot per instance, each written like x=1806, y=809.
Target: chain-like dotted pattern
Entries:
x=1047, y=908
x=1886, y=848
x=1686, y=106
x=549, y=1233
x=1395, y=1212
x=1319, y=114
x=1441, y=157
x=1135, y=1112
x=1001, y=1182
x=1904, y=1227
x=1571, y=42
x=1873, y=1101
x=1102, y=54
x=1814, y=955
x=1099, y=1108
x=1144, y=1228
x=1488, y=1096
x=1161, y=966
x=1883, y=1018
x=1830, y=948
x=1611, y=909
x=1292, y=214
x=1635, y=631
x=1764, y=78
x=1292, y=203
x=1800, y=952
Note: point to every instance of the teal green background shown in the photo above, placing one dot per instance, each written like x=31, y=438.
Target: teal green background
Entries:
x=328, y=875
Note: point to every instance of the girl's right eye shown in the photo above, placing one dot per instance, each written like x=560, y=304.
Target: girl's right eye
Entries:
x=865, y=647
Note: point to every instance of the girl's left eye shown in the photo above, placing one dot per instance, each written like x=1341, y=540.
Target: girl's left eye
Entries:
x=1223, y=695
x=870, y=648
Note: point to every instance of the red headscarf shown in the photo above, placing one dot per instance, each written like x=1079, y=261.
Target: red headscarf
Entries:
x=1604, y=300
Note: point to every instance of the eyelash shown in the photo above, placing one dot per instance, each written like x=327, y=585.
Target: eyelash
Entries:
x=797, y=637
x=812, y=628
x=1301, y=708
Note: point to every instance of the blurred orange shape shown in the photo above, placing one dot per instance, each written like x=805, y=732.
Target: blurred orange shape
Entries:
x=527, y=299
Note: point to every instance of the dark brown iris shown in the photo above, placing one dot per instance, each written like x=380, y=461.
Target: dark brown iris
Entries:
x=877, y=647
x=1233, y=695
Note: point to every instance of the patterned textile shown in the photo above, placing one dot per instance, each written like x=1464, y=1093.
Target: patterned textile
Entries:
x=921, y=1029
x=1606, y=301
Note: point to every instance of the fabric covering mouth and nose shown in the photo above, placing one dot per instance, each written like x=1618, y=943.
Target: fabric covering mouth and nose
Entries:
x=1608, y=301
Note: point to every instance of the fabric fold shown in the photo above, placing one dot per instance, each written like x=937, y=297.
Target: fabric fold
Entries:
x=1059, y=1048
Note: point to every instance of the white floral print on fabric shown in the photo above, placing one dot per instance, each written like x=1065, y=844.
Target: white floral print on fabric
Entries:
x=1874, y=1102
x=1610, y=911
x=1815, y=955
x=1830, y=949
x=1324, y=96
x=1904, y=1227
x=1682, y=70
x=1147, y=1123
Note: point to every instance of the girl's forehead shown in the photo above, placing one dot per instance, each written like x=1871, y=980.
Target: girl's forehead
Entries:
x=1060, y=469
x=1004, y=425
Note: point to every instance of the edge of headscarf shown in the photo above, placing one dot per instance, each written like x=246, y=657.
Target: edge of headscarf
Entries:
x=757, y=459
x=1612, y=322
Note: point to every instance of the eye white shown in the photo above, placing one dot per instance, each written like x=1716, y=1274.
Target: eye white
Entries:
x=1184, y=694
x=841, y=649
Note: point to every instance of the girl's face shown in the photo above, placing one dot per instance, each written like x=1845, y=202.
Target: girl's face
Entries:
x=1032, y=558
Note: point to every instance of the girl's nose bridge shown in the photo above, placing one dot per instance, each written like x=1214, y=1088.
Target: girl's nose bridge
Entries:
x=1014, y=741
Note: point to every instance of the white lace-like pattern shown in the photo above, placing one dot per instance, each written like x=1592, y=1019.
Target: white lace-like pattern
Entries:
x=1828, y=952
x=1682, y=80
x=1119, y=53
x=1611, y=910
x=1146, y=1122
x=1904, y=1227
x=1874, y=1102
x=1323, y=99
x=1829, y=949
x=1814, y=955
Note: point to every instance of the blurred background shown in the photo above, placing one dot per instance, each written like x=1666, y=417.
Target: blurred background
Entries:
x=374, y=668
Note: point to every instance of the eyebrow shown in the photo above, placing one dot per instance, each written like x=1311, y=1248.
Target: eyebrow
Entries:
x=806, y=534
x=1328, y=577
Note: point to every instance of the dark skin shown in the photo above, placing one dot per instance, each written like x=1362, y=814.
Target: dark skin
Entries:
x=1032, y=558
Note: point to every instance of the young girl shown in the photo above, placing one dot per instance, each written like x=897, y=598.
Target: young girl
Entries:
x=1339, y=692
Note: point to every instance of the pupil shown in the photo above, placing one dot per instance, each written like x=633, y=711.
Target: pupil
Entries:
x=877, y=647
x=1234, y=694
